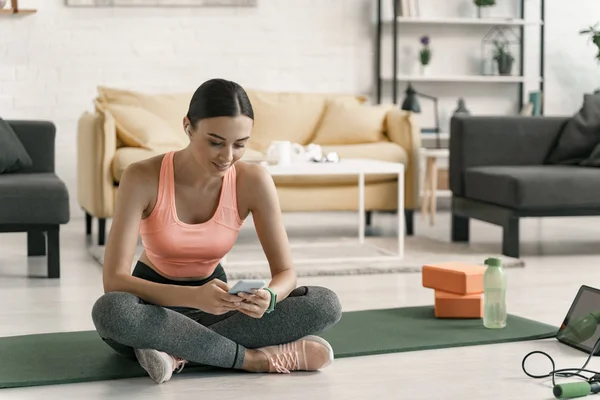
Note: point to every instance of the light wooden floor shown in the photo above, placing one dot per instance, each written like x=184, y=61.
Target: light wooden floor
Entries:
x=561, y=254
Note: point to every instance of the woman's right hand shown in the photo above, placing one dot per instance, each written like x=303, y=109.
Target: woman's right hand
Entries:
x=214, y=298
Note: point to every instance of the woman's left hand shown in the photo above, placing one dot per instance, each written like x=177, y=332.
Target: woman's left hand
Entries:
x=255, y=305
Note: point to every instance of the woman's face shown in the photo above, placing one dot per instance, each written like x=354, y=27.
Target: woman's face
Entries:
x=218, y=142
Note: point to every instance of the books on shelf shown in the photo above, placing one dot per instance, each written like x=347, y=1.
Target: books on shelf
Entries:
x=406, y=8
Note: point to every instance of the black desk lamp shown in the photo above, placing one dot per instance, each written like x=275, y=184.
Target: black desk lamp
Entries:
x=411, y=103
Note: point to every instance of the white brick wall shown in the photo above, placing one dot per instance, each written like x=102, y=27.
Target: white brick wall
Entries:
x=51, y=62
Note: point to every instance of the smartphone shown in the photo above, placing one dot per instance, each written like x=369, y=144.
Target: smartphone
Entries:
x=246, y=285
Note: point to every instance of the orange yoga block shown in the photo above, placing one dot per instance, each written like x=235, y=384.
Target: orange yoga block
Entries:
x=454, y=277
x=450, y=305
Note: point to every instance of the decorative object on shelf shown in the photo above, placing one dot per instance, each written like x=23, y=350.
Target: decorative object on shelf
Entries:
x=161, y=3
x=503, y=57
x=3, y=3
x=483, y=3
x=461, y=108
x=594, y=35
x=496, y=47
x=534, y=105
x=535, y=99
x=425, y=55
x=407, y=8
x=411, y=103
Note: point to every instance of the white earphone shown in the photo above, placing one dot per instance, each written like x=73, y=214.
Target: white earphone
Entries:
x=187, y=130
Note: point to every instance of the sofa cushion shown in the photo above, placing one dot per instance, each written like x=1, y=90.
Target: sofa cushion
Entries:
x=125, y=156
x=13, y=156
x=138, y=127
x=529, y=187
x=36, y=198
x=382, y=151
x=289, y=115
x=351, y=123
x=170, y=107
x=579, y=136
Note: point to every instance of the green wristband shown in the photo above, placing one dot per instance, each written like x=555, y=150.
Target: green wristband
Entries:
x=273, y=300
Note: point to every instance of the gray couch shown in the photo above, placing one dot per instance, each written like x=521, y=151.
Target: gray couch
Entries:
x=499, y=173
x=34, y=199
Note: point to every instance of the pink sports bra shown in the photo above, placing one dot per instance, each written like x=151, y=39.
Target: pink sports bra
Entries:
x=189, y=250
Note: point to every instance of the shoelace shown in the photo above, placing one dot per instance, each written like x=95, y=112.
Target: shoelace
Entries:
x=286, y=359
x=179, y=364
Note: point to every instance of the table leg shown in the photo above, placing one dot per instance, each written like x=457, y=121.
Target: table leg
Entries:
x=426, y=186
x=433, y=189
x=400, y=215
x=361, y=208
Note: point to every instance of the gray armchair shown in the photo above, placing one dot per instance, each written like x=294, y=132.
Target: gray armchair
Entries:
x=499, y=174
x=34, y=199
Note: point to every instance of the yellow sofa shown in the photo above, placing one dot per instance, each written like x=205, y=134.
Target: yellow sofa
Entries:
x=126, y=126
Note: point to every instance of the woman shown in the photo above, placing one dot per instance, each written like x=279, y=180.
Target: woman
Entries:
x=188, y=207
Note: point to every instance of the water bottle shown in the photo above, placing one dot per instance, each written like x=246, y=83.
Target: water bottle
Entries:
x=494, y=294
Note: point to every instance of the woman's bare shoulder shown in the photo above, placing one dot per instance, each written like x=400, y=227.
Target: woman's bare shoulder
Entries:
x=139, y=183
x=253, y=182
x=251, y=173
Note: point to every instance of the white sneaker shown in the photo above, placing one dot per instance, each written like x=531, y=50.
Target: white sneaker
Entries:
x=159, y=365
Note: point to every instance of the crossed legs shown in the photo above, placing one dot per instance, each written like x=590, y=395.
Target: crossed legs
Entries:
x=127, y=323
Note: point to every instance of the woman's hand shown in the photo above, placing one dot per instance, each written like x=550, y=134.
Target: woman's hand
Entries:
x=255, y=305
x=213, y=298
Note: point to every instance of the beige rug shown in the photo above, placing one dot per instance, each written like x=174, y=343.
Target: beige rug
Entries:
x=247, y=260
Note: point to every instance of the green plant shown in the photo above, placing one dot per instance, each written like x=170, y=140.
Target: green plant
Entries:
x=425, y=53
x=485, y=3
x=594, y=34
x=501, y=50
x=503, y=57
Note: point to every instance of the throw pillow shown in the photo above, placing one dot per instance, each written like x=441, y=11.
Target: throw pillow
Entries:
x=594, y=159
x=138, y=127
x=579, y=136
x=13, y=156
x=171, y=107
x=347, y=123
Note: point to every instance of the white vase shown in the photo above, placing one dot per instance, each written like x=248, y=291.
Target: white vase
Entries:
x=424, y=70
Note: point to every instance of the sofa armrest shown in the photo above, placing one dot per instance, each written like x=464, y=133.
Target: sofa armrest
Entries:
x=96, y=148
x=403, y=130
x=499, y=140
x=38, y=138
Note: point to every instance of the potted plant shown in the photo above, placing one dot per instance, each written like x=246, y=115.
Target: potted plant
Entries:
x=594, y=34
x=503, y=57
x=424, y=55
x=483, y=3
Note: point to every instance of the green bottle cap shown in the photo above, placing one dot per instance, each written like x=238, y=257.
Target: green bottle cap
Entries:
x=493, y=262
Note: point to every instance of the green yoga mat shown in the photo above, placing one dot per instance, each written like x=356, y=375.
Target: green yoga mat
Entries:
x=55, y=358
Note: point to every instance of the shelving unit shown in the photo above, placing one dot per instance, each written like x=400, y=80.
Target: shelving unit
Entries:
x=397, y=21
x=465, y=21
x=15, y=10
x=458, y=78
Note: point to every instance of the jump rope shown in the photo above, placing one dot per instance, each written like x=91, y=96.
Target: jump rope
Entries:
x=589, y=385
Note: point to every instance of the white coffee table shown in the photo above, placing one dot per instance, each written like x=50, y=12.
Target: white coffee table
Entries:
x=359, y=168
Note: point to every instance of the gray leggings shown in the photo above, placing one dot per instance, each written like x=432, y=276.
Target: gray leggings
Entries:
x=126, y=322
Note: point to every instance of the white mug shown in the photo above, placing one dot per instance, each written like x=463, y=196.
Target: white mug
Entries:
x=283, y=152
